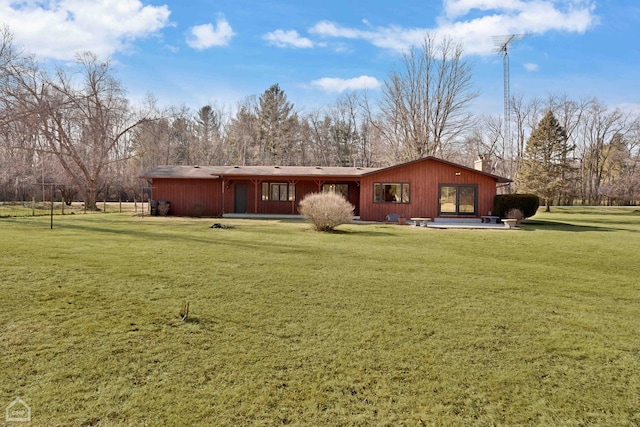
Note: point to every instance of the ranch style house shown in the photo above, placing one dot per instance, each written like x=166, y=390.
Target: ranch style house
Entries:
x=428, y=187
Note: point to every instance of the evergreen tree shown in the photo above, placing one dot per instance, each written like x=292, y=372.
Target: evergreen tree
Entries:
x=208, y=148
x=278, y=126
x=545, y=169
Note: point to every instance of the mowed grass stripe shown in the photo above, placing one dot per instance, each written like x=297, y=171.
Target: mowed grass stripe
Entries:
x=373, y=325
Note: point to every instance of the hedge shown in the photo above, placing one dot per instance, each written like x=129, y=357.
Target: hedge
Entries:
x=527, y=203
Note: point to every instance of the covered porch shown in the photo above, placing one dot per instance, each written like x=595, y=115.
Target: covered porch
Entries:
x=280, y=196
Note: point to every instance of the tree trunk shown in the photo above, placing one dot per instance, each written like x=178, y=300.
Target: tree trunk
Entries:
x=91, y=198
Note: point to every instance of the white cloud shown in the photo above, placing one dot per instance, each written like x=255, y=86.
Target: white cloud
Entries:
x=340, y=85
x=208, y=35
x=58, y=29
x=330, y=29
x=456, y=8
x=281, y=38
x=393, y=37
x=475, y=33
x=531, y=67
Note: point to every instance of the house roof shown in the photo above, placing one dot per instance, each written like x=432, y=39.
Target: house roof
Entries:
x=173, y=171
x=215, y=172
x=498, y=178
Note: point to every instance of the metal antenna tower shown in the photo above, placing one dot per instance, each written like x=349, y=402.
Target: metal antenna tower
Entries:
x=502, y=47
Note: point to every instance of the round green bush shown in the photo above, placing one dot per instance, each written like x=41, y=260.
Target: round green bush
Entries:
x=528, y=204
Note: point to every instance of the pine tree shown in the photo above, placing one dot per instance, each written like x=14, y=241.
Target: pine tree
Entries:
x=546, y=168
x=278, y=126
x=208, y=148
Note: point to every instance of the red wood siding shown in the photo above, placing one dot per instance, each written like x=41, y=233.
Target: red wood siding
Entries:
x=303, y=187
x=424, y=177
x=189, y=197
x=208, y=197
x=203, y=197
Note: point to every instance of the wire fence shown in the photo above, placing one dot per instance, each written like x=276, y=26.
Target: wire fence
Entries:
x=34, y=208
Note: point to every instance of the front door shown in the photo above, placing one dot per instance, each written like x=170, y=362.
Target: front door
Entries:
x=240, y=198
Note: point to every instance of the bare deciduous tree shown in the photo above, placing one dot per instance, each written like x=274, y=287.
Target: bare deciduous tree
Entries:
x=601, y=133
x=20, y=137
x=244, y=133
x=424, y=105
x=81, y=115
x=337, y=135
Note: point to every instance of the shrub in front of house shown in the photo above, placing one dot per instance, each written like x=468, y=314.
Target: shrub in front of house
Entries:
x=326, y=210
x=527, y=204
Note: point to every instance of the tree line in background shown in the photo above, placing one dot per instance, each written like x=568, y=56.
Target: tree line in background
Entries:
x=74, y=130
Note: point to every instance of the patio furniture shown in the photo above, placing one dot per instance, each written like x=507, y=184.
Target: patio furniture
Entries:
x=420, y=221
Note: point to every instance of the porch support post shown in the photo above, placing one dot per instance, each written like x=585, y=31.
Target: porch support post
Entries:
x=293, y=201
x=224, y=184
x=256, y=183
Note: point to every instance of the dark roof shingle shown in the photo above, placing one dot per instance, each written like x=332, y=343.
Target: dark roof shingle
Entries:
x=275, y=171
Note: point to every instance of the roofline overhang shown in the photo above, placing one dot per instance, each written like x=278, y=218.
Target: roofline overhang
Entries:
x=498, y=178
x=212, y=177
x=305, y=177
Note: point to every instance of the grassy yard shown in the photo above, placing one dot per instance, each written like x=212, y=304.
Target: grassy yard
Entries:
x=372, y=325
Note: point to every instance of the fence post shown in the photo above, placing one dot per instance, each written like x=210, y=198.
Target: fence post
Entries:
x=52, y=197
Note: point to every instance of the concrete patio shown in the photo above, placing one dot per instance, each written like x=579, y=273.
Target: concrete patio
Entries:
x=443, y=223
x=468, y=223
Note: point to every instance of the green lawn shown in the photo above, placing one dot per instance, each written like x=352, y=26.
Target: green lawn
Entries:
x=372, y=325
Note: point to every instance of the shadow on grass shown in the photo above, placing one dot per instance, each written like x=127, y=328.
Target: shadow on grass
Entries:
x=537, y=225
x=610, y=211
x=107, y=230
x=357, y=232
x=241, y=237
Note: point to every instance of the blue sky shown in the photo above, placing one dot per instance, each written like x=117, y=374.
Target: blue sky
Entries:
x=220, y=51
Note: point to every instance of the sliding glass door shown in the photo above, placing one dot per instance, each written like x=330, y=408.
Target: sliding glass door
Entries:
x=458, y=200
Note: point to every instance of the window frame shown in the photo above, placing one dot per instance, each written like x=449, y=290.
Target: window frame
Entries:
x=268, y=191
x=457, y=200
x=405, y=193
x=337, y=188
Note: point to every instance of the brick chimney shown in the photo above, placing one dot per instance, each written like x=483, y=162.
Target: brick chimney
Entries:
x=482, y=164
